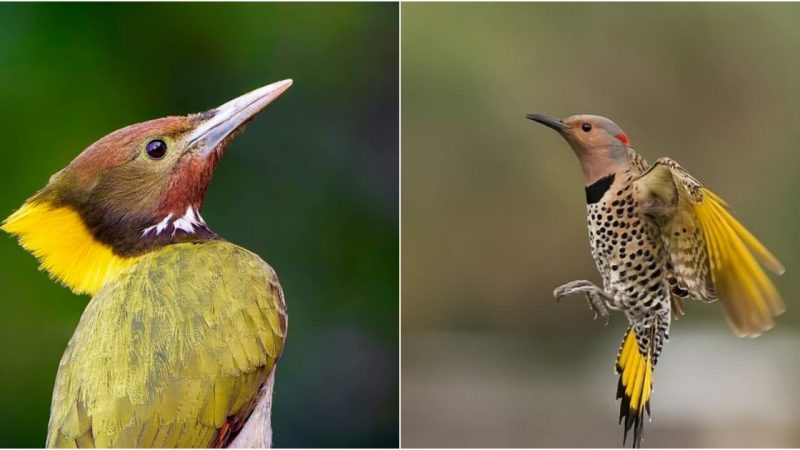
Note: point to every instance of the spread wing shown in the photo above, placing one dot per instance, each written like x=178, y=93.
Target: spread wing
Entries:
x=712, y=254
x=171, y=354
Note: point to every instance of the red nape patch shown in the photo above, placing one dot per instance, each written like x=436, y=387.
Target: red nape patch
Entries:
x=624, y=138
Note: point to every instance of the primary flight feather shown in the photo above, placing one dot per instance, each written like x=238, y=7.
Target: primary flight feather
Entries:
x=658, y=236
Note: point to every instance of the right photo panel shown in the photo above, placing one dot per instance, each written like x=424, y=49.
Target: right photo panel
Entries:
x=599, y=225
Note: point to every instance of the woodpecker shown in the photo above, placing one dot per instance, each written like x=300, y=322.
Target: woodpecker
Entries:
x=658, y=236
x=178, y=345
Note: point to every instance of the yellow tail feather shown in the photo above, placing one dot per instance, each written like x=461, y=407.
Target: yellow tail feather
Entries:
x=635, y=385
x=748, y=296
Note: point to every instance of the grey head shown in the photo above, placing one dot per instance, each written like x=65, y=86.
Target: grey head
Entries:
x=599, y=143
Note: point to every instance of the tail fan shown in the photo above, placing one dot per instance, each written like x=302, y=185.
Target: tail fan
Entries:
x=635, y=372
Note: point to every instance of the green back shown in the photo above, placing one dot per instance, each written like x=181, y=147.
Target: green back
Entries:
x=167, y=353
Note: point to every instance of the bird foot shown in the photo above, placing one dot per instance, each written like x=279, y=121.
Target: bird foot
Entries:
x=596, y=297
x=597, y=304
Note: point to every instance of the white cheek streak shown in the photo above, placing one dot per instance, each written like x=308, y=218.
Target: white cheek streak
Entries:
x=200, y=218
x=190, y=221
x=163, y=224
x=186, y=222
x=159, y=227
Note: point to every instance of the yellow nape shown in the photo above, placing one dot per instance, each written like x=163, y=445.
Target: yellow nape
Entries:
x=636, y=374
x=66, y=249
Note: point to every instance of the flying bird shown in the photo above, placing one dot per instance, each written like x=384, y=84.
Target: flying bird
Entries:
x=179, y=343
x=658, y=236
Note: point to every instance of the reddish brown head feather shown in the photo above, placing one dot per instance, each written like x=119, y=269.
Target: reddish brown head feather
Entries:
x=134, y=198
x=119, y=190
x=188, y=184
x=123, y=145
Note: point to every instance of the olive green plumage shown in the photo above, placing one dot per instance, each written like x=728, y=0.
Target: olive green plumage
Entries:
x=183, y=329
x=170, y=350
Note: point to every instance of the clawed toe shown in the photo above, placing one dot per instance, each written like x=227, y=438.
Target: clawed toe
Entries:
x=598, y=307
x=573, y=287
x=596, y=297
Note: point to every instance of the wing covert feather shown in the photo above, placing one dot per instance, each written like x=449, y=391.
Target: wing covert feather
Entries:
x=713, y=255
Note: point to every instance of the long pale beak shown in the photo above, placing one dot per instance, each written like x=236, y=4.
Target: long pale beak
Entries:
x=226, y=119
x=548, y=121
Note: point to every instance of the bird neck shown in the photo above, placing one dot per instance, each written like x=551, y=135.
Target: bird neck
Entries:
x=596, y=190
x=65, y=247
x=85, y=248
x=598, y=162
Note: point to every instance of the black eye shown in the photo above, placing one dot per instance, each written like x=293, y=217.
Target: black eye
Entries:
x=587, y=127
x=156, y=149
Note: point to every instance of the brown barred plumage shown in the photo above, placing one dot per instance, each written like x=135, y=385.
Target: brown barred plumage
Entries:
x=657, y=236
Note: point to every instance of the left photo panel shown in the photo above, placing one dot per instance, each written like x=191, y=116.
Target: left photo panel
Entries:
x=171, y=279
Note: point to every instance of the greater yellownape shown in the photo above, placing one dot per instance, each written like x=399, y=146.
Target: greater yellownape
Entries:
x=178, y=345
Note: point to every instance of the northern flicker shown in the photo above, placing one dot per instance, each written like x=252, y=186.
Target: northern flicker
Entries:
x=658, y=236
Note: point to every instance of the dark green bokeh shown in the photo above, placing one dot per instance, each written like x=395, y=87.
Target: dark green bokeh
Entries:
x=311, y=186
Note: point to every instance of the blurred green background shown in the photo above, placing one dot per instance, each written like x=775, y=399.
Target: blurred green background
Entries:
x=494, y=217
x=311, y=186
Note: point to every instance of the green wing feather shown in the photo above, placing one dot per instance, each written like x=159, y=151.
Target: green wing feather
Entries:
x=170, y=351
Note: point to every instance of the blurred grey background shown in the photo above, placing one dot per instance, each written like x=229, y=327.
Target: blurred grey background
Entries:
x=311, y=186
x=494, y=217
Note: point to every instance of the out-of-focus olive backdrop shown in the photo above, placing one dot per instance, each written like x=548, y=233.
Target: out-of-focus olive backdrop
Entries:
x=311, y=186
x=494, y=217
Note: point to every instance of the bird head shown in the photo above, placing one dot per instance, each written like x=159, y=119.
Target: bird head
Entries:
x=599, y=143
x=134, y=190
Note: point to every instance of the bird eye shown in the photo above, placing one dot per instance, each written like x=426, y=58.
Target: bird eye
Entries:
x=587, y=127
x=156, y=149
